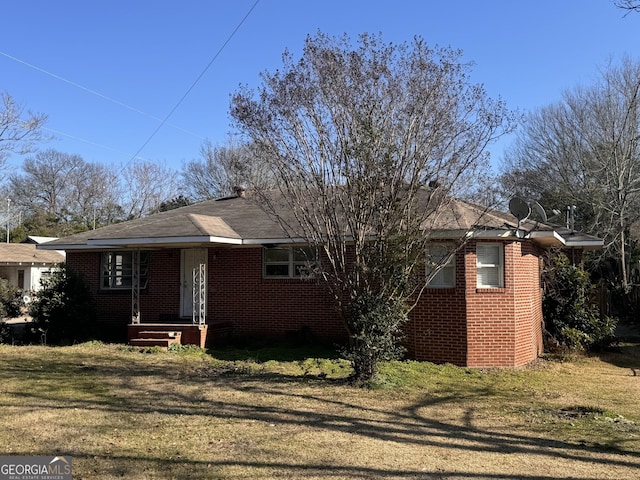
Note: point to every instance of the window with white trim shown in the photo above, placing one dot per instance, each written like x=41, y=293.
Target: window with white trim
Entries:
x=441, y=256
x=489, y=265
x=117, y=270
x=288, y=262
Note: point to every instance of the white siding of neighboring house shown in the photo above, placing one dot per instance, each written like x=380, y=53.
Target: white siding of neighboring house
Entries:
x=32, y=275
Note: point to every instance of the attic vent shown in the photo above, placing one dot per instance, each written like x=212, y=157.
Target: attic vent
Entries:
x=240, y=191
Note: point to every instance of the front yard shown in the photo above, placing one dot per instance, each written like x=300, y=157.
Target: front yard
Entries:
x=122, y=413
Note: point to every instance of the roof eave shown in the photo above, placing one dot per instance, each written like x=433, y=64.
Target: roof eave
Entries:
x=105, y=243
x=161, y=241
x=586, y=244
x=553, y=238
x=547, y=238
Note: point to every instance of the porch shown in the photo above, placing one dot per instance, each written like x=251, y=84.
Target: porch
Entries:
x=165, y=334
x=187, y=328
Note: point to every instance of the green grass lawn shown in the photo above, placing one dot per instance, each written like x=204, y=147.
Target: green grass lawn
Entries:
x=262, y=414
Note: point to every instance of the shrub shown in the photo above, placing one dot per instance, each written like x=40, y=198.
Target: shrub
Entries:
x=10, y=300
x=5, y=332
x=376, y=333
x=62, y=310
x=572, y=319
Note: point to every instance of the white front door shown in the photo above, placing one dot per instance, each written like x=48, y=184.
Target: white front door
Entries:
x=190, y=259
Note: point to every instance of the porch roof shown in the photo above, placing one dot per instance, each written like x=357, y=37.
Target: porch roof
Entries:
x=241, y=221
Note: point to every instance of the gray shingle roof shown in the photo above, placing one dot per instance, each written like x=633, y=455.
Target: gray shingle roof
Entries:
x=26, y=254
x=237, y=220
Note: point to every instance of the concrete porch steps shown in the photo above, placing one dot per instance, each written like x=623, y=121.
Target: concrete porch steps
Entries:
x=167, y=334
x=156, y=338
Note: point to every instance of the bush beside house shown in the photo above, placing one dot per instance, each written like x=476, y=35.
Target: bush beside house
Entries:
x=571, y=316
x=63, y=310
x=10, y=307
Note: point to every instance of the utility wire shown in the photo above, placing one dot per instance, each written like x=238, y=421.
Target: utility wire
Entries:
x=196, y=80
x=84, y=140
x=94, y=92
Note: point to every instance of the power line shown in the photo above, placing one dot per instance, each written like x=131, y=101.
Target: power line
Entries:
x=84, y=140
x=196, y=80
x=96, y=93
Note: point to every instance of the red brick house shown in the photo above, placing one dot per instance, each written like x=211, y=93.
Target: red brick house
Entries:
x=223, y=267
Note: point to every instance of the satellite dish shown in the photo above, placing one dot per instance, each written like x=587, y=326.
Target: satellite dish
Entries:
x=540, y=211
x=519, y=209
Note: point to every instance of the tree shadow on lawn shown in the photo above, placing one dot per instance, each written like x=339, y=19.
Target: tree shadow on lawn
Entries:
x=626, y=354
x=273, y=399
x=268, y=349
x=124, y=466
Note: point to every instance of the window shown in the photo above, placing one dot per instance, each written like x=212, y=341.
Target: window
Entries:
x=441, y=256
x=117, y=270
x=490, y=265
x=293, y=262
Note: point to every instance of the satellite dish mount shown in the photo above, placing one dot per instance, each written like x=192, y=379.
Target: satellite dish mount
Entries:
x=521, y=210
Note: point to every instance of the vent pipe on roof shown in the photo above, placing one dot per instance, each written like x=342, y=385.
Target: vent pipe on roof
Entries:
x=571, y=217
x=240, y=191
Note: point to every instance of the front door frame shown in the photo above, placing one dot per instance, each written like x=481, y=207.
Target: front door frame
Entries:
x=190, y=259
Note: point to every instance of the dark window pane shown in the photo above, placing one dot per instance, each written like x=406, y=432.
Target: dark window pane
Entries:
x=276, y=255
x=277, y=270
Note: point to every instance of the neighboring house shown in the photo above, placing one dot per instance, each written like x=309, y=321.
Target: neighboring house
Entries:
x=223, y=267
x=24, y=266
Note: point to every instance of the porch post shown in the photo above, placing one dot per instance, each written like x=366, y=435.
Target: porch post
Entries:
x=135, y=287
x=199, y=310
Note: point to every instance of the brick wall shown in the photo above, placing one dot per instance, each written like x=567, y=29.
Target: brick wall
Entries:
x=462, y=325
x=239, y=294
x=437, y=329
x=504, y=324
x=161, y=296
x=528, y=306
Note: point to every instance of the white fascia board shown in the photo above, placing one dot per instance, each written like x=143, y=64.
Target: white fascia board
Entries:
x=552, y=235
x=492, y=234
x=558, y=239
x=61, y=248
x=111, y=244
x=586, y=244
x=27, y=264
x=450, y=234
x=119, y=242
x=274, y=241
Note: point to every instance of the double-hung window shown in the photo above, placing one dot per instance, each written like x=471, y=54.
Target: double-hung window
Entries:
x=288, y=262
x=441, y=257
x=489, y=265
x=117, y=270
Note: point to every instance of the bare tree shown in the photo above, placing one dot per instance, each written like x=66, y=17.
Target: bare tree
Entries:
x=64, y=188
x=220, y=169
x=18, y=131
x=45, y=182
x=92, y=196
x=585, y=151
x=367, y=144
x=144, y=186
x=628, y=5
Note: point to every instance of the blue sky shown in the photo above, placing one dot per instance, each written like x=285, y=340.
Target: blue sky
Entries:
x=107, y=72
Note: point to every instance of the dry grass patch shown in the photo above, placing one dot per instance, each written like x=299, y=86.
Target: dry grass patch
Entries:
x=123, y=413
